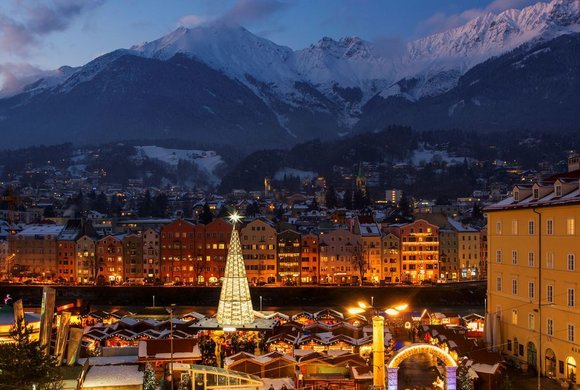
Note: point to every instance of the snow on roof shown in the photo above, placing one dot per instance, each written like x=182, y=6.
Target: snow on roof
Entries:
x=548, y=200
x=458, y=226
x=109, y=360
x=485, y=368
x=129, y=321
x=113, y=376
x=42, y=230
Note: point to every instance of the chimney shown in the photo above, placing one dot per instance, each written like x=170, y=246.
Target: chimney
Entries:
x=574, y=163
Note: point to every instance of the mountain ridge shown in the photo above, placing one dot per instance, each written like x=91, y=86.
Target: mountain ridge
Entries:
x=327, y=90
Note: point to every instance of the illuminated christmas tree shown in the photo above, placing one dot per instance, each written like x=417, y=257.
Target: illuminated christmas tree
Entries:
x=235, y=306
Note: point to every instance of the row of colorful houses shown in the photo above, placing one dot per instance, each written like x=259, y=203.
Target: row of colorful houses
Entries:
x=184, y=252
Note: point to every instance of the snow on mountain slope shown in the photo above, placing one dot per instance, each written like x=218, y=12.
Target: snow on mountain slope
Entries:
x=350, y=62
x=461, y=48
x=490, y=34
x=231, y=49
x=436, y=61
x=338, y=77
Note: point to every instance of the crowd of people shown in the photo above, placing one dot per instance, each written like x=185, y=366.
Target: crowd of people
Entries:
x=215, y=348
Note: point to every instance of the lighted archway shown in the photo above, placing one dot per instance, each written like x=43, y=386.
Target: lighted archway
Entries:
x=404, y=353
x=414, y=349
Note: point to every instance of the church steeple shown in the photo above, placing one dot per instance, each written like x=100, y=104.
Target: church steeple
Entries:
x=361, y=180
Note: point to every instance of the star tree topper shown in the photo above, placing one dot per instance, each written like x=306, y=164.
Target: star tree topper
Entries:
x=235, y=217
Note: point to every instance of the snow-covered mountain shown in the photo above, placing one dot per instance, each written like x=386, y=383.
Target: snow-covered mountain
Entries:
x=234, y=82
x=352, y=62
x=445, y=56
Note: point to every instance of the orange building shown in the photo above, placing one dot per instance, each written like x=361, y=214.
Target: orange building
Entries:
x=66, y=260
x=309, y=273
x=66, y=246
x=340, y=252
x=419, y=250
x=110, y=259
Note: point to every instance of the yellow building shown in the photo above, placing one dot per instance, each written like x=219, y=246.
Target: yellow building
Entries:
x=533, y=277
x=468, y=246
x=371, y=236
x=258, y=239
x=391, y=258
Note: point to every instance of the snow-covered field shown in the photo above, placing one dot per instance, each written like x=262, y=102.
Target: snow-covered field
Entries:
x=206, y=160
x=424, y=155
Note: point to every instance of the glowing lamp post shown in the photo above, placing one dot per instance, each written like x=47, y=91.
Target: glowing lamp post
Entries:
x=378, y=339
x=170, y=310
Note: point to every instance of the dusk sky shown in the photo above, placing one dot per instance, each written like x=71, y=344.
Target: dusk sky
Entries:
x=47, y=34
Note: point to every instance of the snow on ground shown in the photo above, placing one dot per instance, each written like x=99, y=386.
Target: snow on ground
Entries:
x=294, y=172
x=423, y=155
x=77, y=169
x=114, y=376
x=207, y=160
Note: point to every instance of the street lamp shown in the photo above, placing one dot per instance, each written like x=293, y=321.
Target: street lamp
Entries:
x=378, y=338
x=170, y=310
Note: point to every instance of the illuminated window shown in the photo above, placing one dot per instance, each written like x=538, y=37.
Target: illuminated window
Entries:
x=514, y=317
x=570, y=227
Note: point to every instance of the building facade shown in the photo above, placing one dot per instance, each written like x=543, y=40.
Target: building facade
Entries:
x=110, y=260
x=289, y=253
x=391, y=250
x=309, y=259
x=217, y=237
x=533, y=276
x=340, y=251
x=419, y=250
x=371, y=253
x=35, y=252
x=86, y=263
x=258, y=240
x=151, y=255
x=133, y=258
x=177, y=252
